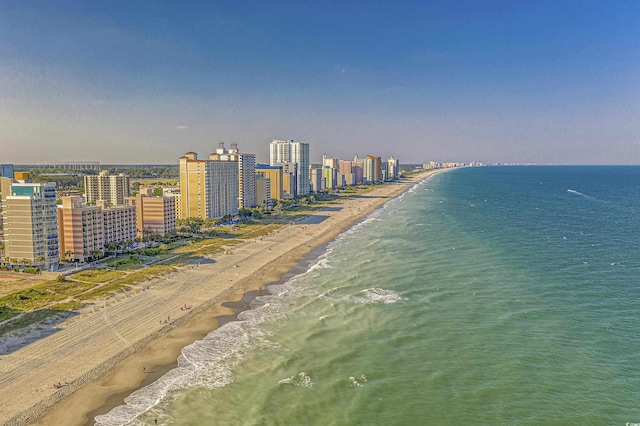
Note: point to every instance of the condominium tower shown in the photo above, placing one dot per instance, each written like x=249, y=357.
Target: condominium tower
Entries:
x=31, y=225
x=282, y=152
x=81, y=230
x=208, y=188
x=112, y=189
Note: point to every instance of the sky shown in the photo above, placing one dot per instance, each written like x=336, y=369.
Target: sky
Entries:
x=143, y=82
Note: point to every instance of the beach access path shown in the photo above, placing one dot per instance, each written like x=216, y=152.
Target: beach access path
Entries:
x=105, y=334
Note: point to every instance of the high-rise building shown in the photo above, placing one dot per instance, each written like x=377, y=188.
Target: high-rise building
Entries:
x=112, y=189
x=393, y=168
x=372, y=169
x=246, y=172
x=81, y=230
x=275, y=175
x=246, y=180
x=282, y=152
x=31, y=225
x=263, y=191
x=317, y=179
x=208, y=188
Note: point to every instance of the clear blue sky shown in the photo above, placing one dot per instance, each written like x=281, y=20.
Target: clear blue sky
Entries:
x=493, y=81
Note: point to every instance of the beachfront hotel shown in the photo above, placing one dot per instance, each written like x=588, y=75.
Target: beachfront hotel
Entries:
x=31, y=225
x=372, y=172
x=246, y=172
x=81, y=230
x=287, y=152
x=113, y=189
x=153, y=214
x=119, y=222
x=208, y=188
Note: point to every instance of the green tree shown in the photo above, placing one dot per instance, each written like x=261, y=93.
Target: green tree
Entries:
x=127, y=244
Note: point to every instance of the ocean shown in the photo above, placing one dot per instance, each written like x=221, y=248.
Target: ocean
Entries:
x=488, y=295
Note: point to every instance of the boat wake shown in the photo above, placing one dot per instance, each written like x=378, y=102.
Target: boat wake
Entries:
x=573, y=191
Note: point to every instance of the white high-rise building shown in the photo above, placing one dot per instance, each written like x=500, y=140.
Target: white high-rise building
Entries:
x=282, y=152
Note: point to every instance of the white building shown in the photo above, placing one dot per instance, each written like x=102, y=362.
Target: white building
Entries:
x=282, y=152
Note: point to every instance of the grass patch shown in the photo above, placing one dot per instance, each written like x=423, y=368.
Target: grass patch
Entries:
x=103, y=291
x=125, y=263
x=72, y=305
x=259, y=231
x=30, y=318
x=146, y=273
x=7, y=312
x=42, y=294
x=97, y=275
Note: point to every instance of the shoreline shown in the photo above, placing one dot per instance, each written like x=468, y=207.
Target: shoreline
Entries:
x=237, y=306
x=120, y=369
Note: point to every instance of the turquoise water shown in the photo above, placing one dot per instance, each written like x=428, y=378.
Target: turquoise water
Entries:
x=495, y=295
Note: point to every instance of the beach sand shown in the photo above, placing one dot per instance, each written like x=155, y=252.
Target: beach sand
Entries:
x=119, y=345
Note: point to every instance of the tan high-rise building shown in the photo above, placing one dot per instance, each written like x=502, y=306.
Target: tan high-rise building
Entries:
x=31, y=225
x=263, y=191
x=208, y=188
x=275, y=176
x=372, y=169
x=80, y=229
x=154, y=214
x=112, y=189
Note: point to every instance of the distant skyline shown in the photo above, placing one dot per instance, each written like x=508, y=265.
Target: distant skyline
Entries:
x=548, y=82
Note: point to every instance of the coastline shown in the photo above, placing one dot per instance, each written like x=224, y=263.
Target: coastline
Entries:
x=130, y=357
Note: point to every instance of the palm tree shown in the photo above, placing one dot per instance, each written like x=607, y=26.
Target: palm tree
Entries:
x=68, y=255
x=127, y=244
x=41, y=261
x=111, y=247
x=95, y=254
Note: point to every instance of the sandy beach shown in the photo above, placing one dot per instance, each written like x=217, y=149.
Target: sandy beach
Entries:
x=112, y=348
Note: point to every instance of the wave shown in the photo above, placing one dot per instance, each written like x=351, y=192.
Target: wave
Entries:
x=375, y=295
x=210, y=362
x=301, y=379
x=206, y=363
